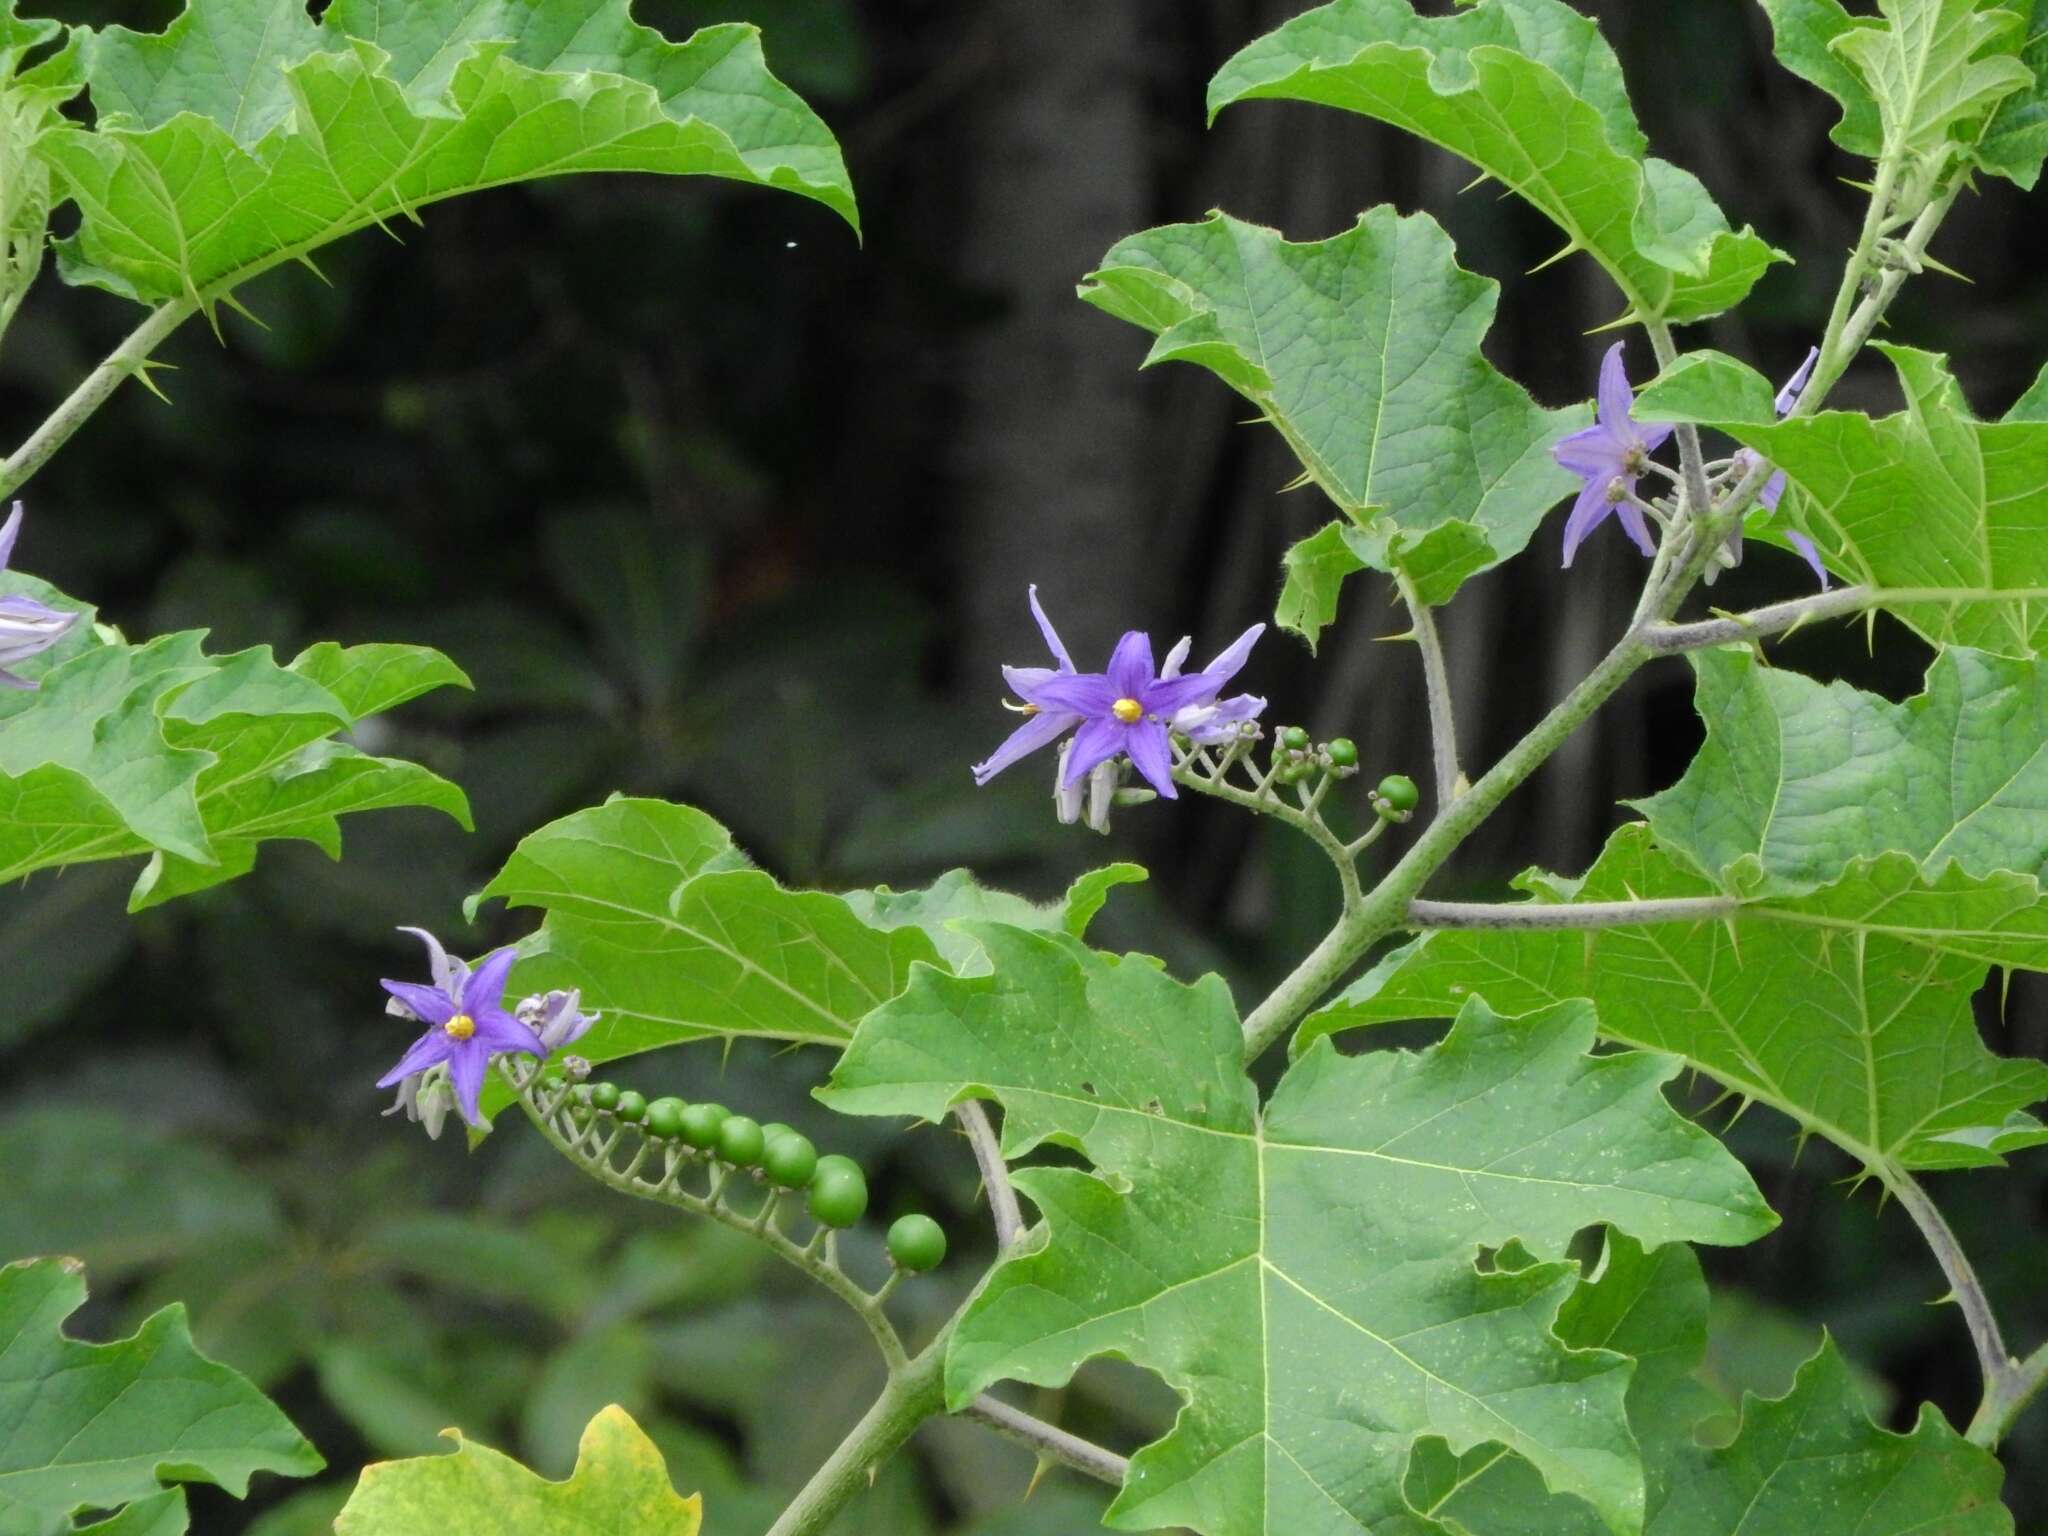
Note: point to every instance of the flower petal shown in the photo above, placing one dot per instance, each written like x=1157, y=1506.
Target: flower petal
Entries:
x=1636, y=526
x=466, y=1065
x=485, y=989
x=1655, y=434
x=1052, y=637
x=1176, y=658
x=1591, y=452
x=1130, y=668
x=1616, y=398
x=1588, y=513
x=22, y=608
x=1026, y=681
x=1039, y=731
x=1231, y=660
x=9, y=531
x=1096, y=742
x=25, y=684
x=501, y=1032
x=1079, y=693
x=1773, y=491
x=431, y=1004
x=1809, y=554
x=429, y=1049
x=1150, y=755
x=448, y=974
x=1169, y=698
x=1795, y=387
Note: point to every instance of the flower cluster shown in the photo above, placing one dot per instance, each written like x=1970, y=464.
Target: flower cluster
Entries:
x=27, y=627
x=1131, y=710
x=468, y=1025
x=1610, y=456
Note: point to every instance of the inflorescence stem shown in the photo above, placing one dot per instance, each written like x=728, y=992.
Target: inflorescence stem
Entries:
x=1436, y=677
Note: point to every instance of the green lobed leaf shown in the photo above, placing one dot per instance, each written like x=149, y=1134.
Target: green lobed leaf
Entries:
x=1946, y=513
x=1810, y=1462
x=161, y=1514
x=195, y=760
x=93, y=1426
x=1303, y=1274
x=1855, y=1023
x=620, y=1488
x=655, y=915
x=1528, y=91
x=1363, y=351
x=1935, y=68
x=2033, y=405
x=1804, y=777
x=2015, y=139
x=1803, y=34
x=956, y=894
x=246, y=134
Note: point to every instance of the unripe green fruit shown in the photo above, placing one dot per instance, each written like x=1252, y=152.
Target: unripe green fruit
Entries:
x=1294, y=738
x=739, y=1141
x=665, y=1117
x=774, y=1128
x=790, y=1160
x=1343, y=752
x=631, y=1106
x=700, y=1125
x=839, y=1192
x=604, y=1095
x=917, y=1243
x=1399, y=791
x=580, y=1094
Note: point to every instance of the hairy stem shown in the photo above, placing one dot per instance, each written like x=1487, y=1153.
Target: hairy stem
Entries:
x=92, y=392
x=916, y=1391
x=2014, y=1389
x=1443, y=728
x=995, y=1173
x=1550, y=915
x=1964, y=1286
x=1692, y=462
x=1671, y=639
x=1050, y=1441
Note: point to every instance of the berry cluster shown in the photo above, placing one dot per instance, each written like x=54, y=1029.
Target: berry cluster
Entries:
x=834, y=1188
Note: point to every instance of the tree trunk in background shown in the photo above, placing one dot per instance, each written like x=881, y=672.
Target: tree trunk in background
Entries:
x=1049, y=472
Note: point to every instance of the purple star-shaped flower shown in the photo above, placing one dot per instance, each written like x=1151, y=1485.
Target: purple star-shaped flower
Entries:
x=1610, y=456
x=465, y=1029
x=27, y=627
x=1129, y=708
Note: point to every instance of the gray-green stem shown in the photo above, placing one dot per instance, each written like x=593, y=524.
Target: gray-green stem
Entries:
x=91, y=393
x=1436, y=677
x=1968, y=1292
x=1579, y=914
x=915, y=1391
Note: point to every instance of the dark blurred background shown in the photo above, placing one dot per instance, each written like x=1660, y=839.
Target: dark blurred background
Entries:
x=716, y=504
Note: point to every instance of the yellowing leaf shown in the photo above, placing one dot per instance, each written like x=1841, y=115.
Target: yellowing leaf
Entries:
x=620, y=1488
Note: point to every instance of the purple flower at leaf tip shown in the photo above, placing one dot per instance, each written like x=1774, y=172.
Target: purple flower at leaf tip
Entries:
x=27, y=627
x=465, y=1029
x=1610, y=456
x=1129, y=708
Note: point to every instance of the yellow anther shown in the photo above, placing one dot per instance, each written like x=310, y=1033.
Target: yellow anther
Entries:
x=461, y=1027
x=1127, y=710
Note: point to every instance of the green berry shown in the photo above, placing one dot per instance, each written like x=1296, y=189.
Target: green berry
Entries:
x=580, y=1094
x=1399, y=791
x=739, y=1141
x=1343, y=752
x=1294, y=739
x=773, y=1129
x=790, y=1160
x=604, y=1095
x=630, y=1106
x=665, y=1117
x=917, y=1243
x=839, y=1192
x=700, y=1125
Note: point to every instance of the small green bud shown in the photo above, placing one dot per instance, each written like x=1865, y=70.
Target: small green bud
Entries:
x=1294, y=739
